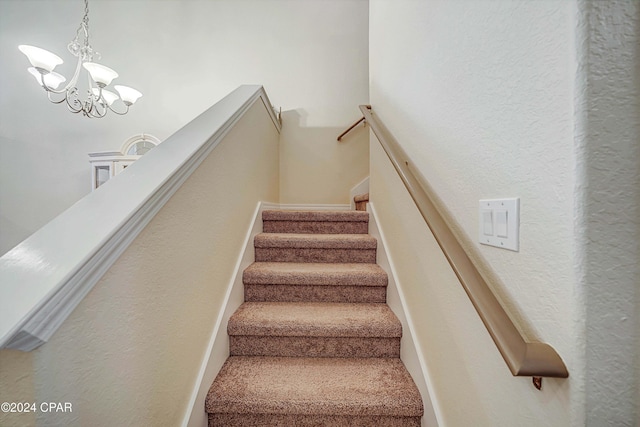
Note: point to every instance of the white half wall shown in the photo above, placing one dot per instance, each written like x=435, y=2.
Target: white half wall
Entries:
x=130, y=353
x=311, y=56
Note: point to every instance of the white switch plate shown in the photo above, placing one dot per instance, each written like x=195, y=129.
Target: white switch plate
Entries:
x=504, y=227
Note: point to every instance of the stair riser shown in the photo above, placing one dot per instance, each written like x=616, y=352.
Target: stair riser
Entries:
x=316, y=227
x=361, y=206
x=277, y=420
x=314, y=344
x=316, y=255
x=302, y=293
x=243, y=345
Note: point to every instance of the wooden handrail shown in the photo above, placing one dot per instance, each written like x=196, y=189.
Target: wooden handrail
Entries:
x=349, y=129
x=523, y=358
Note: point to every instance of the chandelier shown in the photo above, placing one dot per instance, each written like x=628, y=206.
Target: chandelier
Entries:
x=97, y=100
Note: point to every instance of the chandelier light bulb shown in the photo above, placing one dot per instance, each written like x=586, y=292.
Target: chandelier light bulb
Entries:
x=52, y=79
x=108, y=96
x=128, y=94
x=100, y=74
x=41, y=59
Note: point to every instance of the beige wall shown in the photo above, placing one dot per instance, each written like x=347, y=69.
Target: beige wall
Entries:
x=314, y=167
x=484, y=108
x=17, y=385
x=471, y=384
x=536, y=100
x=130, y=352
x=483, y=105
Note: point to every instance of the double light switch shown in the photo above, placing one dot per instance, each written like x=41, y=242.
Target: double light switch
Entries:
x=499, y=223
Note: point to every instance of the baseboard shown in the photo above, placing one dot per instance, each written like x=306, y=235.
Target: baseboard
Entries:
x=410, y=353
x=218, y=348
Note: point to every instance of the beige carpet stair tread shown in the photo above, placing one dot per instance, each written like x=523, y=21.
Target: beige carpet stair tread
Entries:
x=317, y=241
x=314, y=344
x=314, y=216
x=327, y=386
x=314, y=320
x=290, y=273
x=361, y=198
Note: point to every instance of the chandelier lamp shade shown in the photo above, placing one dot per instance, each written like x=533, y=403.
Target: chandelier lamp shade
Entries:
x=97, y=100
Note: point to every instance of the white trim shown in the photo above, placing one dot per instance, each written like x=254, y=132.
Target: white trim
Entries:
x=46, y=276
x=126, y=145
x=195, y=415
x=410, y=350
x=106, y=154
x=360, y=188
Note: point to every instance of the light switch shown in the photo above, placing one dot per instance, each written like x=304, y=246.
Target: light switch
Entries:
x=487, y=222
x=499, y=223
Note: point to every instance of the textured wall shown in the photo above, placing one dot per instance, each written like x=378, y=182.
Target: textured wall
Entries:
x=484, y=107
x=311, y=57
x=16, y=385
x=608, y=208
x=471, y=383
x=537, y=100
x=130, y=352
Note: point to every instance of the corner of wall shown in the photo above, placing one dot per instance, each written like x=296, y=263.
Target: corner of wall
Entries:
x=607, y=205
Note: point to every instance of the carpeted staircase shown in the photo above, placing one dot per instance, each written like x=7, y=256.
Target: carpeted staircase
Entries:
x=315, y=343
x=361, y=201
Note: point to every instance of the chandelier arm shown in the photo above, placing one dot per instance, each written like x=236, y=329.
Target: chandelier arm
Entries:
x=52, y=90
x=95, y=113
x=90, y=91
x=53, y=100
x=97, y=99
x=97, y=102
x=47, y=88
x=74, y=111
x=73, y=93
x=74, y=79
x=88, y=106
x=117, y=112
x=69, y=85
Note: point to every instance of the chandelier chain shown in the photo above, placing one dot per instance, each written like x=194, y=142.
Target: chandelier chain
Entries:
x=85, y=51
x=85, y=18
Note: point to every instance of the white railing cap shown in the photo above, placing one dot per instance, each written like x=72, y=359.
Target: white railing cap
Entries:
x=46, y=276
